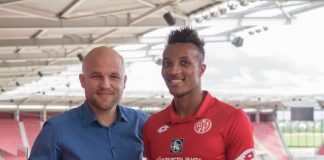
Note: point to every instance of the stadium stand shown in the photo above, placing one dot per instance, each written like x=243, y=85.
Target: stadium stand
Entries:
x=20, y=156
x=320, y=153
x=11, y=146
x=32, y=127
x=268, y=136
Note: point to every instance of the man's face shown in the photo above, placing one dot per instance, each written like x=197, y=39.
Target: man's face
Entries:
x=103, y=80
x=182, y=68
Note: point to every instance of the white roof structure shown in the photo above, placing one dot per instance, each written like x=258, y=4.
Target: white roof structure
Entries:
x=41, y=40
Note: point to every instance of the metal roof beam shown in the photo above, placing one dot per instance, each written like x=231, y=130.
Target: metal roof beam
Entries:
x=257, y=8
x=20, y=9
x=109, y=13
x=86, y=42
x=95, y=23
x=244, y=21
x=70, y=8
x=38, y=34
x=279, y=6
x=145, y=2
x=312, y=6
x=65, y=62
x=101, y=37
x=11, y=2
x=148, y=13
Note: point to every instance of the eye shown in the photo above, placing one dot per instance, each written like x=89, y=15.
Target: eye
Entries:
x=166, y=64
x=95, y=76
x=115, y=76
x=184, y=62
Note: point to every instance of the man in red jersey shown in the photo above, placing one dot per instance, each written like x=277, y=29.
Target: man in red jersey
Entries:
x=195, y=126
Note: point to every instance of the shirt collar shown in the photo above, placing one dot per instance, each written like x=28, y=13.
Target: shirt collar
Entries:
x=206, y=103
x=89, y=117
x=122, y=116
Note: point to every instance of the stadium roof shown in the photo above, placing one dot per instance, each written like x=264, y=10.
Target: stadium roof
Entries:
x=40, y=40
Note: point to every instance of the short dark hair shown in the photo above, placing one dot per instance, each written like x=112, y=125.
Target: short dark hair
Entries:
x=187, y=35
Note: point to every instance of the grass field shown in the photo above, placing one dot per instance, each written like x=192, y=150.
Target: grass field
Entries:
x=303, y=139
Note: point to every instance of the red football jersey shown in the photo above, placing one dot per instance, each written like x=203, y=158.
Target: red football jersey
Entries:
x=217, y=131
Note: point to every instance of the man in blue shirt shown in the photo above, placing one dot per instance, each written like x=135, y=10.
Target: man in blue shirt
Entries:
x=100, y=128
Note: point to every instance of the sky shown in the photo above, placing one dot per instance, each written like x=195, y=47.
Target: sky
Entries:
x=284, y=60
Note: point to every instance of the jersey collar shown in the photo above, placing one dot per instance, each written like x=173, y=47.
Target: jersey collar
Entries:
x=206, y=103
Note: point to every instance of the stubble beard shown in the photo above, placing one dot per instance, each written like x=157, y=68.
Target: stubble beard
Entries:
x=102, y=105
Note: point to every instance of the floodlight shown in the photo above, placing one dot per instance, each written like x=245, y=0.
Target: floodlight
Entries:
x=238, y=41
x=169, y=19
x=80, y=56
x=40, y=74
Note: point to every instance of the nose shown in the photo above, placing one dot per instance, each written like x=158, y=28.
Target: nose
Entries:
x=105, y=83
x=175, y=69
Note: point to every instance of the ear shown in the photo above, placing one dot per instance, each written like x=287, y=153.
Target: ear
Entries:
x=125, y=80
x=202, y=69
x=81, y=78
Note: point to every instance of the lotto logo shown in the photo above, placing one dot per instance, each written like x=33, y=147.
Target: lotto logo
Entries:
x=247, y=155
x=163, y=128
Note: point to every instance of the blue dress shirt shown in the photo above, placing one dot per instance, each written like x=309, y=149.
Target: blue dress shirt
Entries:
x=77, y=135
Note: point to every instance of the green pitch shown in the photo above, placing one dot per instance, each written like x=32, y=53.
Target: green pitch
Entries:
x=303, y=139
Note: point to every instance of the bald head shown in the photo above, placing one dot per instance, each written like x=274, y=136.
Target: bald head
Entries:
x=99, y=53
x=103, y=79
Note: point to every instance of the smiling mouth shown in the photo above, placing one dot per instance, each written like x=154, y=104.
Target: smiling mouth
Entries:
x=175, y=81
x=104, y=93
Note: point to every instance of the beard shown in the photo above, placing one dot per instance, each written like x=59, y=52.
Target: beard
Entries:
x=106, y=104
